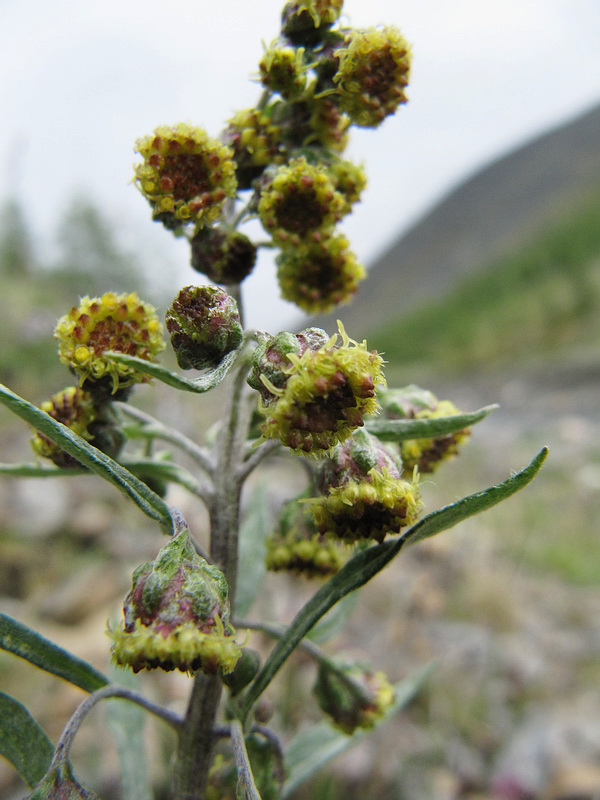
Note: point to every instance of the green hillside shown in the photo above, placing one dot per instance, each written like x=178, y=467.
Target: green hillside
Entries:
x=542, y=298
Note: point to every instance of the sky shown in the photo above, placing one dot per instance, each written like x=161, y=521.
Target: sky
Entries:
x=81, y=81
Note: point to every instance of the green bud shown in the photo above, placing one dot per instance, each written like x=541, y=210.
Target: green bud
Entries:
x=355, y=703
x=244, y=671
x=204, y=324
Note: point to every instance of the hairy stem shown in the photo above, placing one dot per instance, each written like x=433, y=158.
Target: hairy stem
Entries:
x=197, y=733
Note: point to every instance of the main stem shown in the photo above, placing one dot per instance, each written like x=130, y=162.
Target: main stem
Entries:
x=197, y=733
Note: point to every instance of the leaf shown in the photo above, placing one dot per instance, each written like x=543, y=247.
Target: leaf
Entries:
x=397, y=430
x=22, y=741
x=334, y=620
x=256, y=525
x=200, y=385
x=311, y=750
x=22, y=641
x=141, y=468
x=363, y=566
x=126, y=722
x=92, y=458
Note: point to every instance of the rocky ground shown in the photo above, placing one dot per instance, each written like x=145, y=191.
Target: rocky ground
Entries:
x=507, y=603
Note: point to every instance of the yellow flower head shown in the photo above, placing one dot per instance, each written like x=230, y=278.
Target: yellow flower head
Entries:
x=74, y=408
x=412, y=402
x=122, y=323
x=320, y=276
x=372, y=75
x=177, y=615
x=427, y=454
x=367, y=508
x=300, y=204
x=326, y=395
x=185, y=175
x=282, y=69
x=297, y=547
x=256, y=142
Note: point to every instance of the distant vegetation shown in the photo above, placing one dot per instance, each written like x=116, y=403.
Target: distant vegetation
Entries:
x=544, y=297
x=37, y=290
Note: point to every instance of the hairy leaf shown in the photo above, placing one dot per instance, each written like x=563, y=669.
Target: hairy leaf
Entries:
x=363, y=566
x=22, y=741
x=397, y=430
x=24, y=642
x=92, y=458
x=256, y=525
x=199, y=385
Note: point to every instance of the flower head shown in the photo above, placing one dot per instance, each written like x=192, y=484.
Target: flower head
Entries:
x=349, y=179
x=74, y=408
x=256, y=141
x=177, y=615
x=300, y=203
x=364, y=495
x=353, y=696
x=185, y=175
x=122, y=323
x=282, y=69
x=415, y=403
x=297, y=547
x=326, y=394
x=320, y=276
x=372, y=75
x=224, y=256
x=204, y=324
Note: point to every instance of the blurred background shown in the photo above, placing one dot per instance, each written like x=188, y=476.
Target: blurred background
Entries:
x=481, y=230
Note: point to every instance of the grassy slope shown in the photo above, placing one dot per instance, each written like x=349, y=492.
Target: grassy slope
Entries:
x=545, y=296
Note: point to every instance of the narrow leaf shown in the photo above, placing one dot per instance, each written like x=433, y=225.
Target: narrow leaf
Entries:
x=363, y=566
x=24, y=642
x=450, y=515
x=126, y=722
x=200, y=385
x=141, y=468
x=22, y=741
x=308, y=752
x=257, y=524
x=397, y=430
x=92, y=458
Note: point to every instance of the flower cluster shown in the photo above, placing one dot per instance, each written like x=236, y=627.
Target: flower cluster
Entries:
x=321, y=275
x=185, y=175
x=364, y=494
x=322, y=395
x=319, y=78
x=297, y=547
x=413, y=402
x=373, y=73
x=300, y=204
x=353, y=696
x=119, y=323
x=177, y=615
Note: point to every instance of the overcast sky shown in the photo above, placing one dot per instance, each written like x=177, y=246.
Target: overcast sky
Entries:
x=80, y=81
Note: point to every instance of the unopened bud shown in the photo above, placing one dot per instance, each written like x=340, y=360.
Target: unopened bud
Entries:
x=204, y=324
